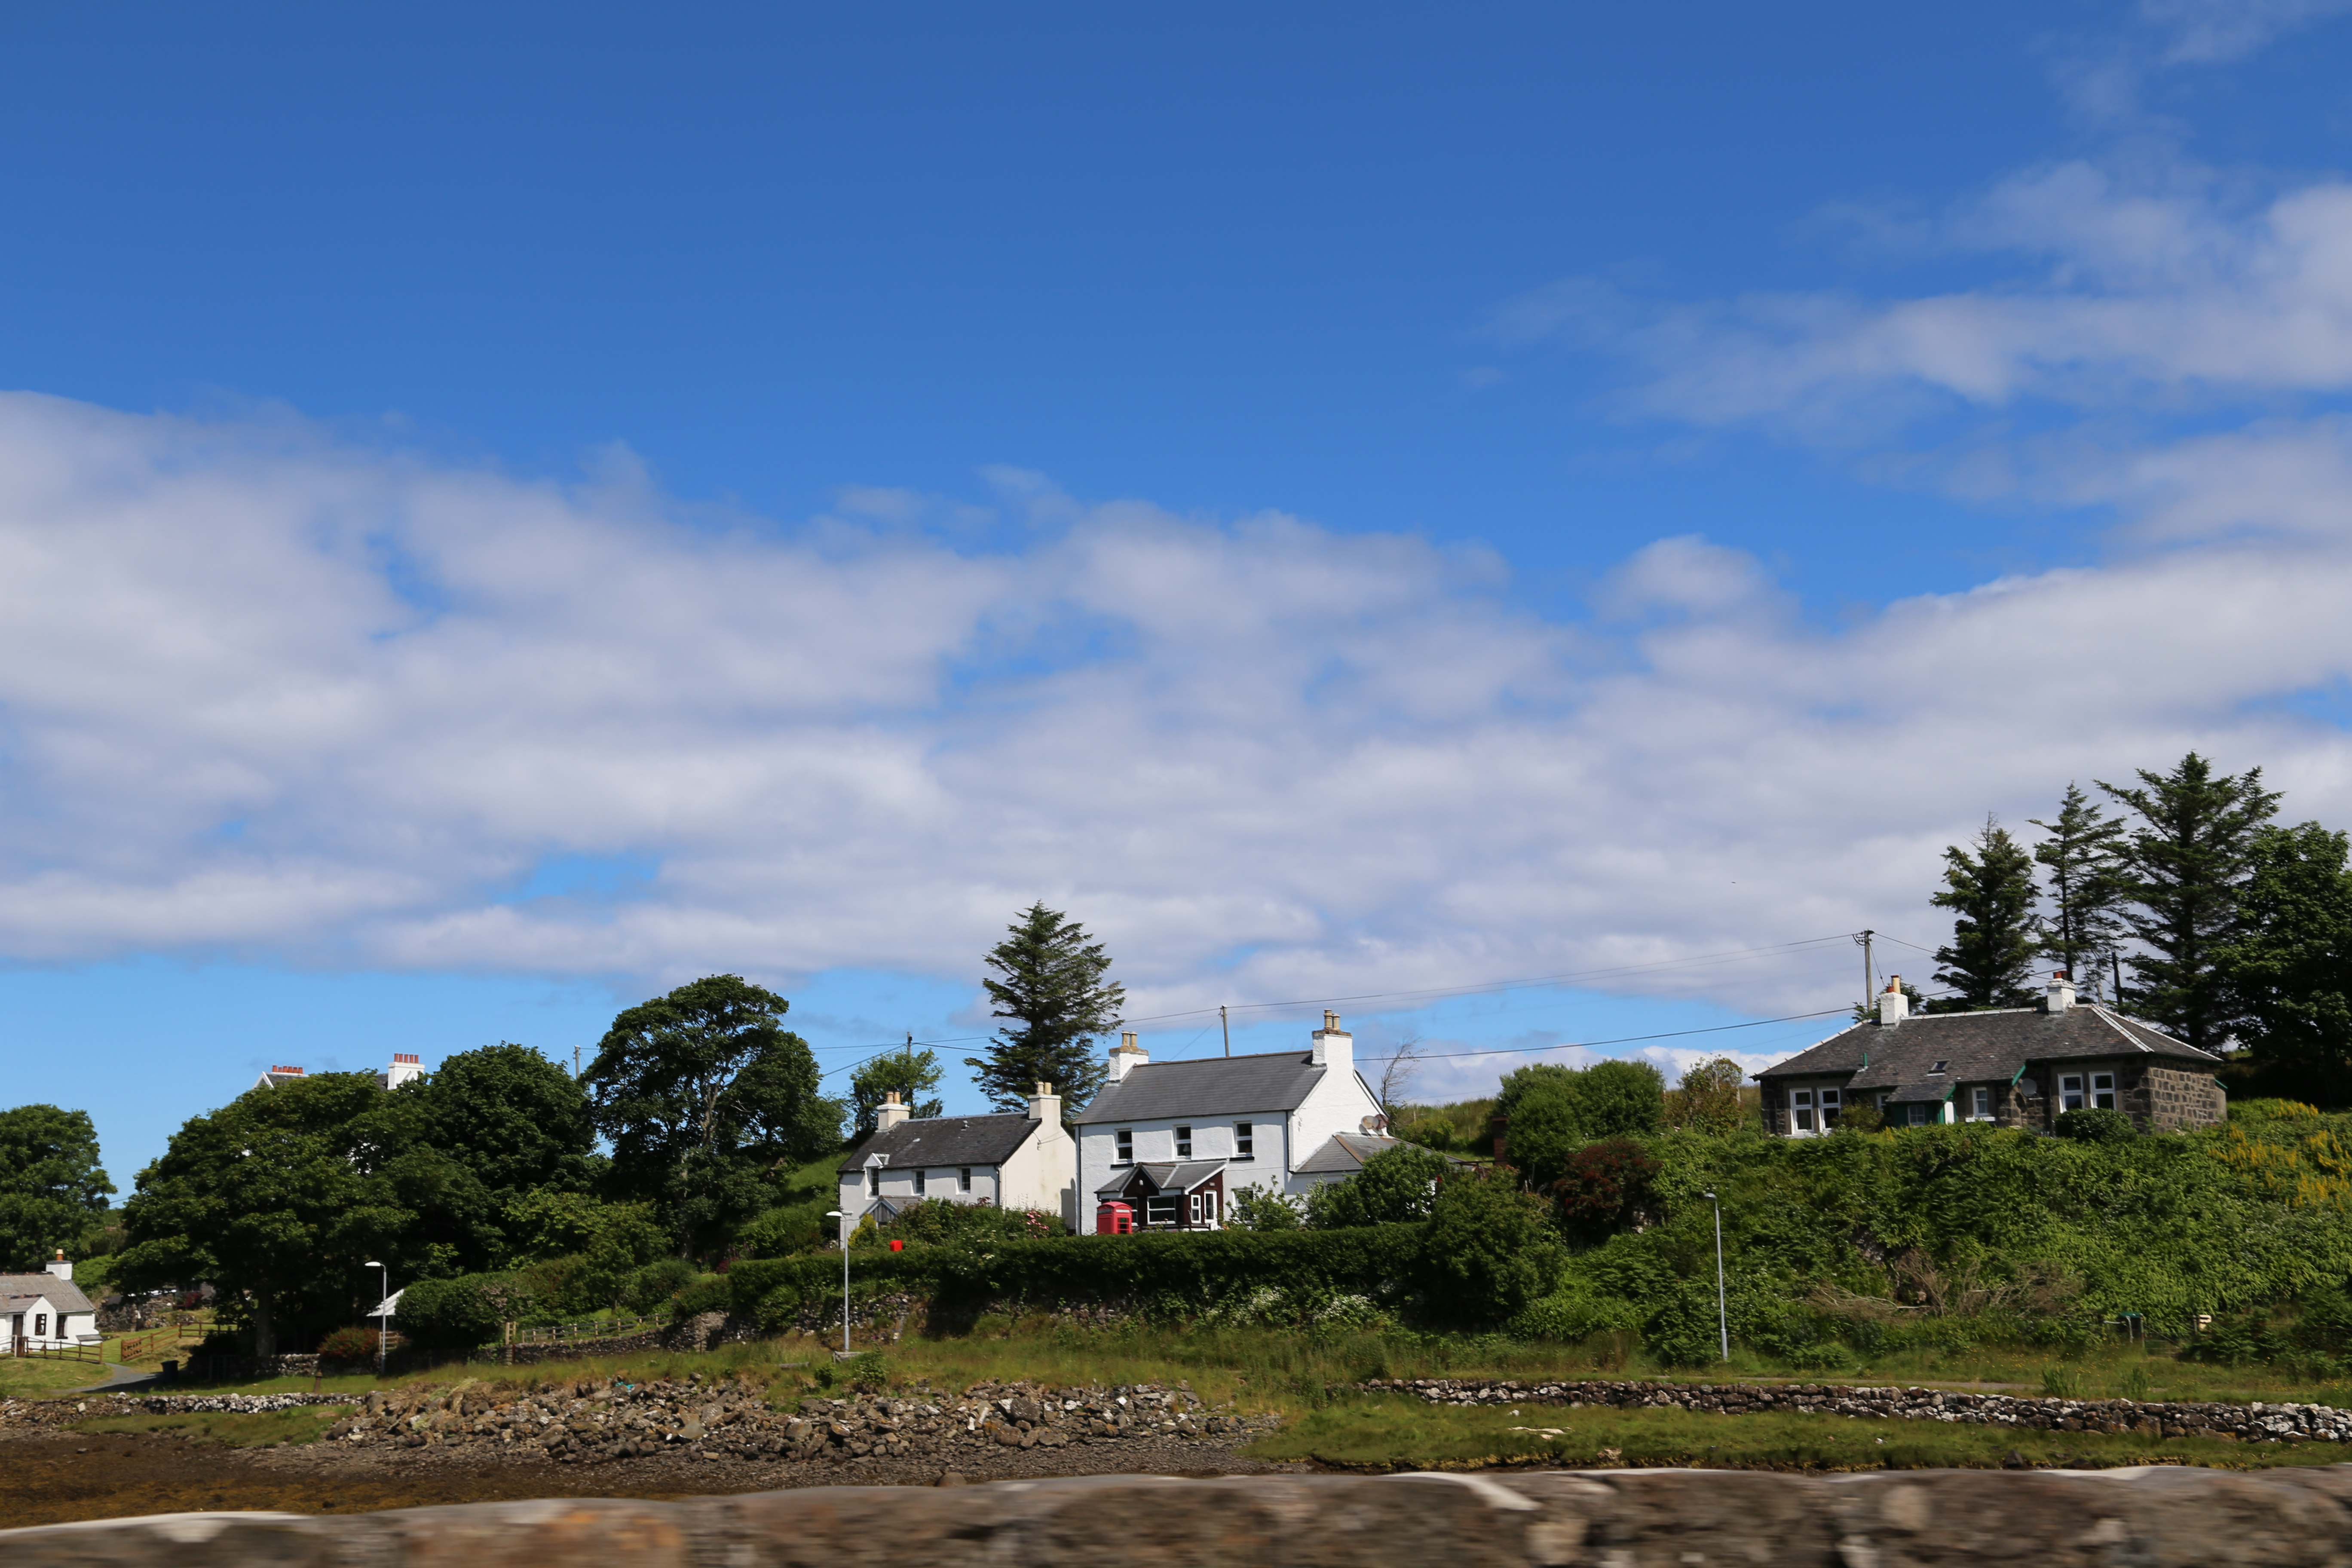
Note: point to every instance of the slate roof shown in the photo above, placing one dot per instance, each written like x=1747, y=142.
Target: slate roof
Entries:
x=1166, y=1178
x=1344, y=1153
x=1210, y=1085
x=1979, y=1048
x=929, y=1142
x=62, y=1294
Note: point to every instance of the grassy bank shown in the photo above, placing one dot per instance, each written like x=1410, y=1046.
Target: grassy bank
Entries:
x=259, y=1429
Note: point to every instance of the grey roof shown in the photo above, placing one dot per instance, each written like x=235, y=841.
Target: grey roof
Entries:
x=1345, y=1152
x=1979, y=1048
x=1209, y=1086
x=932, y=1141
x=1181, y=1178
x=63, y=1294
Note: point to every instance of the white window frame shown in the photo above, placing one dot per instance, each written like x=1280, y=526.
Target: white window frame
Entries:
x=1184, y=1142
x=1980, y=1104
x=2103, y=1091
x=919, y=1188
x=963, y=1178
x=1244, y=1141
x=1800, y=1110
x=1122, y=1149
x=1831, y=1108
x=873, y=1181
x=40, y=1325
x=2073, y=1092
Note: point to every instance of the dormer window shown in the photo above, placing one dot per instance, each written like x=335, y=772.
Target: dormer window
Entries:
x=1938, y=1067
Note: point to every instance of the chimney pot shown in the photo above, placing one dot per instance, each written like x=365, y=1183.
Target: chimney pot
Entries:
x=2061, y=993
x=1894, y=1007
x=1126, y=1055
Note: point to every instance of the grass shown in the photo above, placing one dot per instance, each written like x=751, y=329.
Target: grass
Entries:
x=259, y=1429
x=33, y=1376
x=1391, y=1432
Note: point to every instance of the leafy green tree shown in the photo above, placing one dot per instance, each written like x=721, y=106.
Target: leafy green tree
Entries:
x=51, y=1185
x=1708, y=1100
x=1264, y=1209
x=1395, y=1185
x=911, y=1074
x=275, y=1199
x=1990, y=894
x=708, y=1101
x=2188, y=860
x=2082, y=859
x=2095, y=1126
x=1551, y=1112
x=516, y=1121
x=1051, y=989
x=2291, y=968
x=1487, y=1248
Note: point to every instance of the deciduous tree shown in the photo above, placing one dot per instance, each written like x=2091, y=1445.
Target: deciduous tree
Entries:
x=911, y=1074
x=51, y=1184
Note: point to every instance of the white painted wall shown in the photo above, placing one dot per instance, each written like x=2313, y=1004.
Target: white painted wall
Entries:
x=64, y=1328
x=1155, y=1144
x=1040, y=1175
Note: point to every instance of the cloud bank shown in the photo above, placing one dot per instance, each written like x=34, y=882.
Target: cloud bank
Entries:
x=267, y=692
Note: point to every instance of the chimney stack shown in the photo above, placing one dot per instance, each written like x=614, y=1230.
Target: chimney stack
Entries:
x=2061, y=994
x=893, y=1110
x=1334, y=1047
x=1046, y=1106
x=1126, y=1056
x=60, y=1267
x=1894, y=1007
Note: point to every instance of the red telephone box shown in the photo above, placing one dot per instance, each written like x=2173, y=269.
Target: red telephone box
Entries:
x=1115, y=1218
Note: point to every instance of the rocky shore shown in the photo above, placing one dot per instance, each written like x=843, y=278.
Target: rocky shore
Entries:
x=2252, y=1423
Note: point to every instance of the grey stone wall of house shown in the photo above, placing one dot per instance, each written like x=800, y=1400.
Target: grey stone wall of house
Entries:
x=2287, y=1518
x=2168, y=1099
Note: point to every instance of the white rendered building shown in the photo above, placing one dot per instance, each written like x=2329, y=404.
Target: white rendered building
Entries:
x=1013, y=1159
x=45, y=1310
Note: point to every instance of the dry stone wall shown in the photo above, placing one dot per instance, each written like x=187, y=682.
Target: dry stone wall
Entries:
x=2159, y=1518
x=2253, y=1423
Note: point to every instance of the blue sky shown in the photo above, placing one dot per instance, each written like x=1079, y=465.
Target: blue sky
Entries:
x=502, y=514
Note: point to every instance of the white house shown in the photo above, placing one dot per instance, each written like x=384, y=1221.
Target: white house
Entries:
x=47, y=1310
x=1177, y=1140
x=407, y=1067
x=1015, y=1160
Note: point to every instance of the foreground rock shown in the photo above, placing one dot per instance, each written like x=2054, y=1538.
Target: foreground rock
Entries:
x=2253, y=1423
x=2289, y=1519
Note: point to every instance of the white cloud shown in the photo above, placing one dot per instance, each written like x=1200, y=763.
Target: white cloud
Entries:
x=264, y=693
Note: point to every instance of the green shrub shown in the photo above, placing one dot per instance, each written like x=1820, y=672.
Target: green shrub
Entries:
x=867, y=1371
x=2096, y=1126
x=451, y=1314
x=1486, y=1250
x=1264, y=1209
x=349, y=1344
x=1395, y=1185
x=652, y=1287
x=703, y=1293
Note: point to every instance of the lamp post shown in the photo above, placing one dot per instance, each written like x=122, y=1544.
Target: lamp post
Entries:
x=383, y=1293
x=844, y=1218
x=1722, y=1313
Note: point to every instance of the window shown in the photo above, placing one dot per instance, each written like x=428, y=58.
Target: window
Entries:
x=1183, y=1143
x=1244, y=1141
x=919, y=1182
x=2070, y=1092
x=1980, y=1104
x=40, y=1325
x=963, y=1179
x=1801, y=1110
x=1829, y=1108
x=1940, y=1066
x=874, y=1182
x=1922, y=1114
x=1159, y=1211
x=1126, y=1156
x=1194, y=1207
x=2103, y=1091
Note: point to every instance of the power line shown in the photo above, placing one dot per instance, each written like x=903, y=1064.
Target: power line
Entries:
x=1630, y=1039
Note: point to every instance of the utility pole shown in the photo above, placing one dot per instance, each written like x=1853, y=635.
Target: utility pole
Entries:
x=910, y=1045
x=1225, y=1023
x=1869, y=970
x=575, y=1062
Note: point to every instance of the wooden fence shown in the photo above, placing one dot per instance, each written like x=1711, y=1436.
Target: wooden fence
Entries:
x=95, y=1351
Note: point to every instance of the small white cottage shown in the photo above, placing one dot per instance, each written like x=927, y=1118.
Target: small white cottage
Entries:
x=1014, y=1160
x=47, y=1310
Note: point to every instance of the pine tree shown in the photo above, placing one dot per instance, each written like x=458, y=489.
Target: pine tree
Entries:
x=1990, y=895
x=1053, y=991
x=2084, y=858
x=2290, y=970
x=2188, y=861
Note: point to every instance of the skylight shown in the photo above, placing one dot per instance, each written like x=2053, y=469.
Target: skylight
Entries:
x=1938, y=1067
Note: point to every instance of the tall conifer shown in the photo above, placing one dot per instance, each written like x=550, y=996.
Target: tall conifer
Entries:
x=2188, y=860
x=1990, y=894
x=2082, y=859
x=1053, y=991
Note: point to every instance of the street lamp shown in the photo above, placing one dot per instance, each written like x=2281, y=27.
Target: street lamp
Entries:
x=385, y=1292
x=844, y=1218
x=1722, y=1315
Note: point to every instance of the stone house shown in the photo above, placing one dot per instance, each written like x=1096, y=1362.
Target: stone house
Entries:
x=2020, y=1067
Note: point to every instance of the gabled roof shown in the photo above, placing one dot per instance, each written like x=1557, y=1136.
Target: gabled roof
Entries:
x=1174, y=1178
x=933, y=1140
x=62, y=1294
x=1982, y=1046
x=1344, y=1153
x=1210, y=1085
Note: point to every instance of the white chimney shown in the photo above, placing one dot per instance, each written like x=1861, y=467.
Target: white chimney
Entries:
x=2061, y=994
x=60, y=1267
x=1334, y=1047
x=892, y=1110
x=1894, y=1007
x=406, y=1067
x=1046, y=1106
x=1126, y=1056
